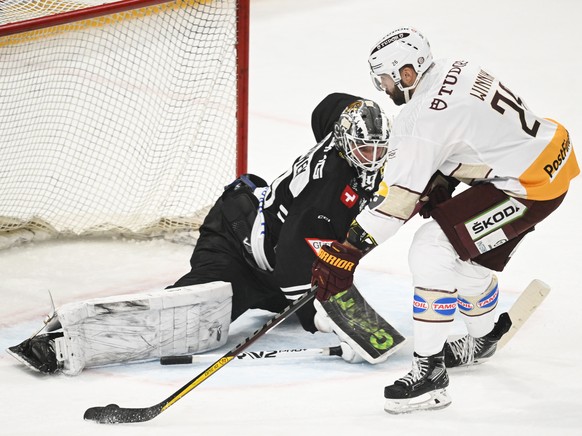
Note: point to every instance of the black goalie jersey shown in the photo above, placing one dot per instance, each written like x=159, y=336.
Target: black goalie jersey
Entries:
x=264, y=239
x=311, y=204
x=314, y=202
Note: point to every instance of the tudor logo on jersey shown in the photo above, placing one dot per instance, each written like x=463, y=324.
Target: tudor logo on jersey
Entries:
x=349, y=197
x=316, y=244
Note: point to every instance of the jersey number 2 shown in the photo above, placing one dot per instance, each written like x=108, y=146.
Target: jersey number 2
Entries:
x=516, y=104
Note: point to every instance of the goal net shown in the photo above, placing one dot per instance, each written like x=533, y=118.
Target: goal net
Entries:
x=124, y=117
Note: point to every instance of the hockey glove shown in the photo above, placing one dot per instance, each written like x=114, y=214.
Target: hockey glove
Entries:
x=333, y=270
x=438, y=190
x=437, y=196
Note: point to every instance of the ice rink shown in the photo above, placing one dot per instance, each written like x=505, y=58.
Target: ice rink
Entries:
x=301, y=50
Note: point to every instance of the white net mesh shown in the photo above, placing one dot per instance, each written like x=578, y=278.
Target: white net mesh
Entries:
x=123, y=124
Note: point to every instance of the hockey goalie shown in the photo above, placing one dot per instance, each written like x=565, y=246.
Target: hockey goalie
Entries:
x=255, y=250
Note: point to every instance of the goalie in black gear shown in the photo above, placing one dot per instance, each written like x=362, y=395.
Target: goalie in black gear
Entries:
x=262, y=240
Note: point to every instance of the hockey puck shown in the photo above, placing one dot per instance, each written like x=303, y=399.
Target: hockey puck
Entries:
x=175, y=360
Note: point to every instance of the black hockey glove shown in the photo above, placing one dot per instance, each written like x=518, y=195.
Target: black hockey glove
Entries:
x=333, y=270
x=437, y=196
x=439, y=189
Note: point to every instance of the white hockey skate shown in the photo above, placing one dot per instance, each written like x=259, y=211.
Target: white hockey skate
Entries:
x=423, y=388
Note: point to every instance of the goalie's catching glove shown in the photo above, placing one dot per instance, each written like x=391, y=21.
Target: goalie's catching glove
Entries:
x=333, y=270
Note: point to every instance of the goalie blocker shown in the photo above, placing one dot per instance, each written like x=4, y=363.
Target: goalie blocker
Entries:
x=359, y=326
x=130, y=328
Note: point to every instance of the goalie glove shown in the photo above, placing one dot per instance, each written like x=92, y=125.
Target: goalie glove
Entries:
x=333, y=270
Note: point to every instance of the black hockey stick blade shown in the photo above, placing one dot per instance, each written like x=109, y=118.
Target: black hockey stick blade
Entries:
x=113, y=414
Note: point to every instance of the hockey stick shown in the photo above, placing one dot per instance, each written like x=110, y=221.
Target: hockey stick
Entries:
x=113, y=414
x=523, y=307
x=293, y=353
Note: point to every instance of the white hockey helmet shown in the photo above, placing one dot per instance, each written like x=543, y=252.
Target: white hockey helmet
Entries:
x=401, y=47
x=361, y=135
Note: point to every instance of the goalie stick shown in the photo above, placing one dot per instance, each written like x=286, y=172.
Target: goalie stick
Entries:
x=292, y=353
x=113, y=414
x=523, y=307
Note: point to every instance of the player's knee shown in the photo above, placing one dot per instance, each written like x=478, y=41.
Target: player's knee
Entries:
x=481, y=303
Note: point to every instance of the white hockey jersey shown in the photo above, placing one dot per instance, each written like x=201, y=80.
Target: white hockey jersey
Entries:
x=464, y=122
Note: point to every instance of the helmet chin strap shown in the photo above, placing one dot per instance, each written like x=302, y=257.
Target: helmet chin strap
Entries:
x=407, y=94
x=410, y=89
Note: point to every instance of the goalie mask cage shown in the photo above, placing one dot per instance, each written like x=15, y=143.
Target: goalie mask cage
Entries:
x=124, y=117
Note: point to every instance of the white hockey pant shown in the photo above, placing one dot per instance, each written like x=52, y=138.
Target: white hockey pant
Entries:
x=145, y=326
x=442, y=281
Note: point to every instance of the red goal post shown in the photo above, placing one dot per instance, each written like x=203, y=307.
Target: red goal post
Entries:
x=123, y=117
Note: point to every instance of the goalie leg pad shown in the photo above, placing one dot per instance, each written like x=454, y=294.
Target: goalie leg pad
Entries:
x=145, y=326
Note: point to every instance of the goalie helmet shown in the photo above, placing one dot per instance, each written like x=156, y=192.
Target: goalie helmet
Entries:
x=401, y=47
x=361, y=136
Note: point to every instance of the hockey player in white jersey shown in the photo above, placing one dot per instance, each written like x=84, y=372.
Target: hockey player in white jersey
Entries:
x=458, y=123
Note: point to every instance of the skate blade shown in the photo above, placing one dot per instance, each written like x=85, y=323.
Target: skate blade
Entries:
x=434, y=400
x=473, y=362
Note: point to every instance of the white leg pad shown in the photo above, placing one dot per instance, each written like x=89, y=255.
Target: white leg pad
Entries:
x=145, y=326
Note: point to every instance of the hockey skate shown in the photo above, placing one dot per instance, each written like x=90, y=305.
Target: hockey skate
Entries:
x=38, y=353
x=423, y=388
x=471, y=351
x=357, y=324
